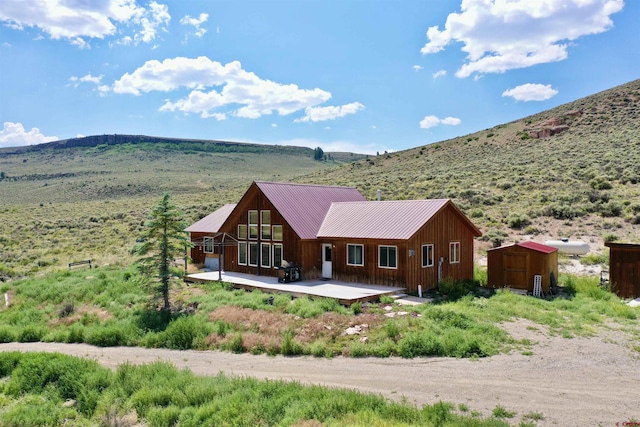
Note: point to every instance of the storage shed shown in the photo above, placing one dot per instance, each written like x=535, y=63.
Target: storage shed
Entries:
x=515, y=266
x=624, y=269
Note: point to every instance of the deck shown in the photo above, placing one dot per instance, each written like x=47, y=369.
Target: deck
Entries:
x=346, y=293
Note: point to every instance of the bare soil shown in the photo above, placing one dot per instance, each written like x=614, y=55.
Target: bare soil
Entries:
x=570, y=382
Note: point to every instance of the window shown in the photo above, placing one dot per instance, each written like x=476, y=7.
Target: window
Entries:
x=277, y=255
x=355, y=255
x=276, y=232
x=242, y=253
x=253, y=225
x=454, y=252
x=388, y=256
x=208, y=245
x=253, y=254
x=427, y=255
x=265, y=225
x=242, y=231
x=265, y=255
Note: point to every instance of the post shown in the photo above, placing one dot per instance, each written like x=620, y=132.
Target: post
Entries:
x=420, y=291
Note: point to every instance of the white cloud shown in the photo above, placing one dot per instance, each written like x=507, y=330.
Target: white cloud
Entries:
x=320, y=114
x=500, y=35
x=440, y=73
x=79, y=20
x=531, y=92
x=416, y=68
x=14, y=135
x=196, y=22
x=432, y=121
x=217, y=89
x=335, y=146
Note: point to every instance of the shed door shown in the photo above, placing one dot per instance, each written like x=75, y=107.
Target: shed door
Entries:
x=327, y=269
x=516, y=270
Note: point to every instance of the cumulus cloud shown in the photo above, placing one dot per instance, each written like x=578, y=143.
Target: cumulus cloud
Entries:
x=79, y=20
x=416, y=68
x=432, y=121
x=440, y=73
x=216, y=89
x=500, y=35
x=196, y=22
x=531, y=92
x=14, y=135
x=320, y=114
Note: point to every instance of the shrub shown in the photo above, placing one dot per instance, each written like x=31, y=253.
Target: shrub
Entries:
x=7, y=334
x=31, y=333
x=518, y=221
x=609, y=237
x=185, y=333
x=107, y=336
x=453, y=290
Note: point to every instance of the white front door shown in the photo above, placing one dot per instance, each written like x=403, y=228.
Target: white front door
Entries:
x=326, y=261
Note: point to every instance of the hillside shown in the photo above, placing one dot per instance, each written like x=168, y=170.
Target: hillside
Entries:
x=572, y=171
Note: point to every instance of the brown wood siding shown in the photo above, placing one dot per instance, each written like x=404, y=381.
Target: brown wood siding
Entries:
x=445, y=227
x=197, y=251
x=291, y=244
x=624, y=269
x=516, y=266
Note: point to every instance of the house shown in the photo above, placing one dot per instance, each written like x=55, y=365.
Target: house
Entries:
x=515, y=266
x=335, y=233
x=624, y=269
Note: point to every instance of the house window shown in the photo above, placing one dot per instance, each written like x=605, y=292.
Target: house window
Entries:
x=242, y=253
x=253, y=225
x=276, y=232
x=242, y=231
x=427, y=255
x=265, y=225
x=265, y=255
x=277, y=255
x=208, y=245
x=355, y=255
x=253, y=254
x=388, y=256
x=454, y=252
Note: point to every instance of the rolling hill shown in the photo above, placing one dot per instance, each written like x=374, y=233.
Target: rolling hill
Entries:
x=572, y=171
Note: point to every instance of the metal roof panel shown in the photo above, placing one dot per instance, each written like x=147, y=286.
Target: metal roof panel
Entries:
x=212, y=222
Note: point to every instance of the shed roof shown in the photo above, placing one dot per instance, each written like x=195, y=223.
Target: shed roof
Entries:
x=389, y=219
x=534, y=246
x=304, y=206
x=212, y=222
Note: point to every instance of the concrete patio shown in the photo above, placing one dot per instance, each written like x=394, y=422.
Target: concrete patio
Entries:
x=346, y=293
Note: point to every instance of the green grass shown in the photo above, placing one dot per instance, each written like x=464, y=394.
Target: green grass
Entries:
x=36, y=386
x=111, y=307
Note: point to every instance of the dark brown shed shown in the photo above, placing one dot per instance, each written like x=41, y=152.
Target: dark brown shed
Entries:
x=624, y=269
x=515, y=266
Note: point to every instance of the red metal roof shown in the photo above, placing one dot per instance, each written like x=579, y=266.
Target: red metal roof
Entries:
x=304, y=206
x=538, y=247
x=389, y=219
x=212, y=222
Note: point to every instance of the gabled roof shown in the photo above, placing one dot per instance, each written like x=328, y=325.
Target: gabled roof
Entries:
x=304, y=206
x=389, y=219
x=538, y=247
x=212, y=222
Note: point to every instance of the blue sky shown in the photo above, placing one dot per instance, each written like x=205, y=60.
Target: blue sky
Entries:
x=345, y=75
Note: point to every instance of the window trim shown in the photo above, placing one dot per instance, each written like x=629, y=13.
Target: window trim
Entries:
x=454, y=252
x=243, y=236
x=253, y=226
x=265, y=225
x=427, y=245
x=262, y=246
x=246, y=253
x=355, y=245
x=273, y=234
x=273, y=255
x=204, y=245
x=250, y=245
x=387, y=247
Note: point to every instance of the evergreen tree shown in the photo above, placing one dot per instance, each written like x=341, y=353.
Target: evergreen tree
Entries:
x=161, y=242
x=318, y=154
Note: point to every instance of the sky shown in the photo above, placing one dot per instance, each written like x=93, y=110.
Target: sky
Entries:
x=365, y=76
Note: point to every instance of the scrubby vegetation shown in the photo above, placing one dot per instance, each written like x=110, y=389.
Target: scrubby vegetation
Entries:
x=41, y=389
x=111, y=307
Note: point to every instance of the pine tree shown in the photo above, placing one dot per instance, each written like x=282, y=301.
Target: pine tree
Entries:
x=318, y=154
x=161, y=242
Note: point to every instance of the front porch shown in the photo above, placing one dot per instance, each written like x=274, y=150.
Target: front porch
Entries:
x=346, y=293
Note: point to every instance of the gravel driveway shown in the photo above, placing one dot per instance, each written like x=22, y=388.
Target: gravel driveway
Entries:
x=571, y=382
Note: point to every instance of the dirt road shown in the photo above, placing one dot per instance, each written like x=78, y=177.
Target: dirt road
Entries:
x=571, y=382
